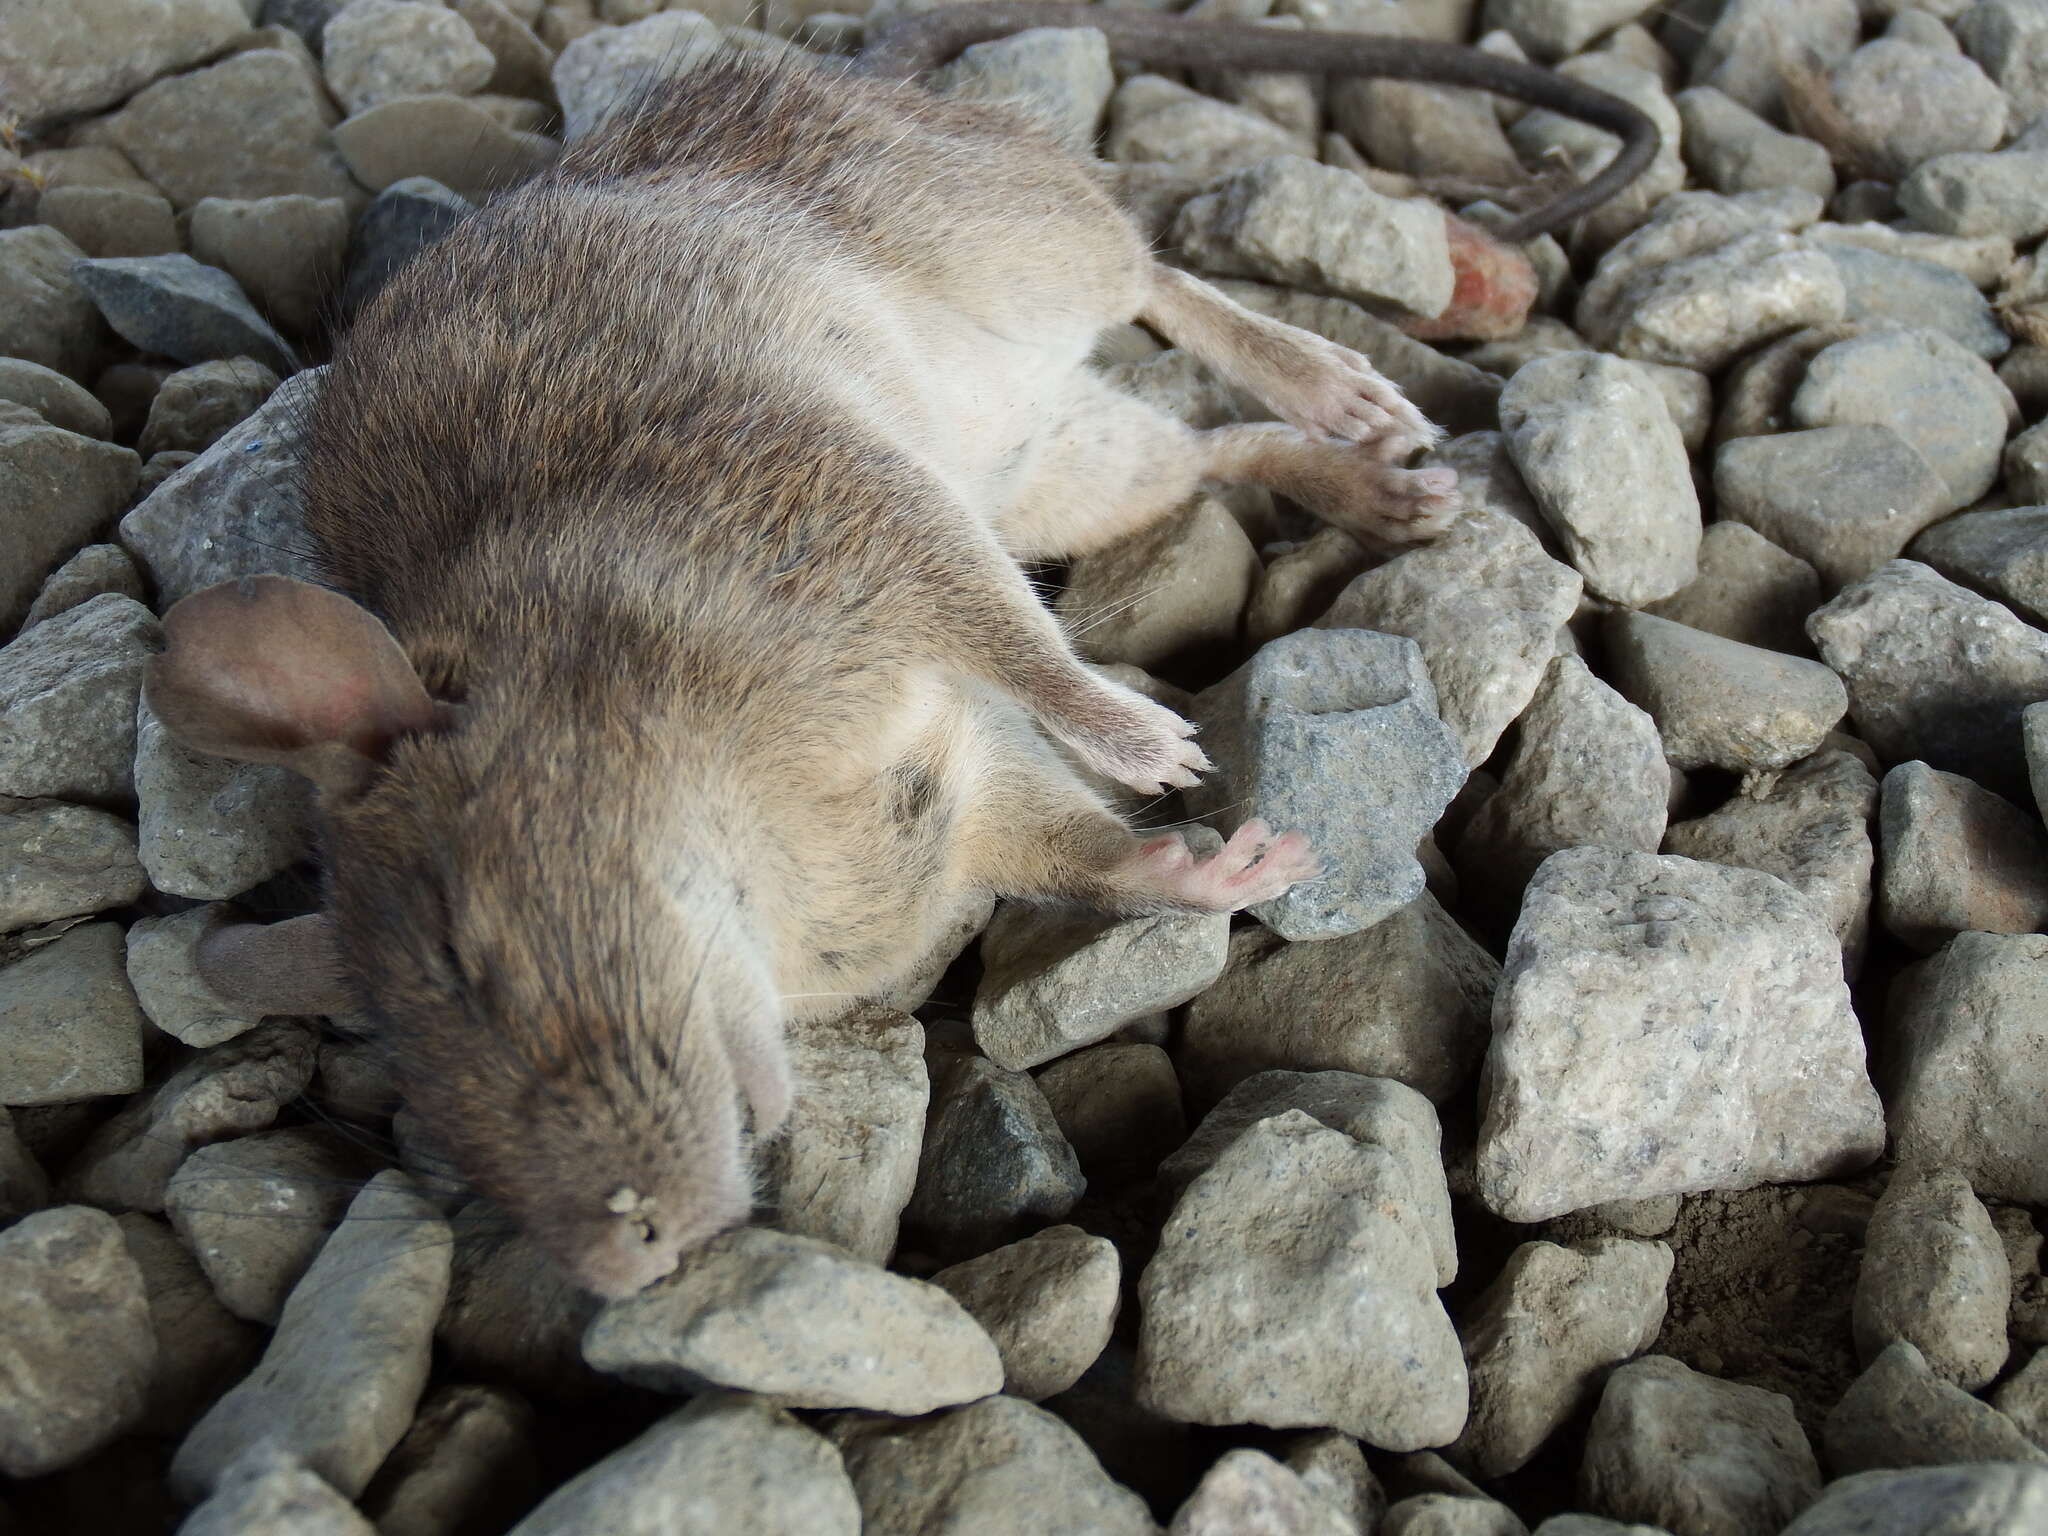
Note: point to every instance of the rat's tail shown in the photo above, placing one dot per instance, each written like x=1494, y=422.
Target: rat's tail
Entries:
x=909, y=45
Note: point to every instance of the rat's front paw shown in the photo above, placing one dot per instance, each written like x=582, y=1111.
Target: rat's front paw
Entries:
x=1254, y=866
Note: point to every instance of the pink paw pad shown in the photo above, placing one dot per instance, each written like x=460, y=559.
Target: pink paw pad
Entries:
x=1254, y=866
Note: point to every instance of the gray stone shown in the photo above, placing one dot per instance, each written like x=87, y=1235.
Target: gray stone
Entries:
x=1968, y=1033
x=1809, y=826
x=286, y=252
x=80, y=1350
x=1333, y=1468
x=1844, y=498
x=45, y=317
x=844, y=1166
x=1053, y=982
x=376, y=50
x=195, y=406
x=1957, y=858
x=211, y=828
x=469, y=1462
x=1898, y=1413
x=1748, y=42
x=57, y=490
x=95, y=570
x=201, y=1348
x=1174, y=592
x=1061, y=75
x=2026, y=465
x=1154, y=119
x=1928, y=388
x=1719, y=703
x=24, y=1187
x=1407, y=999
x=1602, y=457
x=1333, y=732
x=1372, y=1111
x=60, y=61
x=695, y=1471
x=404, y=219
x=67, y=702
x=1415, y=129
x=1981, y=260
x=341, y=1377
x=1483, y=602
x=2034, y=731
x=2024, y=1398
x=1588, y=769
x=128, y=220
x=268, y=1493
x=799, y=1322
x=1987, y=1500
x=1756, y=396
x=1733, y=150
x=1748, y=590
x=1703, y=311
x=1541, y=136
x=235, y=510
x=163, y=968
x=1243, y=1322
x=1979, y=194
x=59, y=860
x=2003, y=552
x=1883, y=289
x=1248, y=1493
x=1698, y=1456
x=1290, y=220
x=60, y=401
x=604, y=71
x=69, y=1025
x=1450, y=1514
x=254, y=125
x=1934, y=1274
x=994, y=1163
x=453, y=140
x=174, y=306
x=1935, y=672
x=999, y=1467
x=1048, y=1302
x=1900, y=105
x=255, y=1211
x=2010, y=39
x=1665, y=1026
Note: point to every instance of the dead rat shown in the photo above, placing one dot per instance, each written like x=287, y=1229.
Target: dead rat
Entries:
x=686, y=676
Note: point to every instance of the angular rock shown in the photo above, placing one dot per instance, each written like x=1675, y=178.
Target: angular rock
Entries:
x=1334, y=1470
x=95, y=570
x=1290, y=220
x=129, y=220
x=1957, y=858
x=1746, y=46
x=80, y=1350
x=1053, y=982
x=1987, y=1500
x=1719, y=703
x=1342, y=1330
x=1934, y=1274
x=45, y=317
x=1372, y=1111
x=450, y=139
x=341, y=1377
x=1900, y=105
x=993, y=1163
x=1928, y=388
x=1883, y=289
x=269, y=1493
x=376, y=50
x=844, y=1167
x=1119, y=1107
x=404, y=218
x=468, y=1462
x=1407, y=999
x=1173, y=593
x=1606, y=464
x=1756, y=398
x=174, y=306
x=1748, y=590
x=1484, y=603
x=196, y=405
x=201, y=1348
x=1845, y=498
x=1556, y=29
x=2003, y=552
x=1048, y=1302
x=1665, y=1026
x=57, y=490
x=163, y=968
x=67, y=702
x=688, y=1475
x=2034, y=732
x=999, y=1467
x=1733, y=150
x=2026, y=466
x=2024, y=1398
x=69, y=1025
x=1450, y=1514
x=1704, y=311
x=1061, y=74
x=799, y=1322
x=1588, y=770
x=1541, y=136
x=60, y=401
x=1978, y=194
x=255, y=1211
x=23, y=1185
x=2010, y=39
x=1248, y=1493
x=286, y=252
x=1935, y=672
x=1969, y=1045
x=59, y=860
x=211, y=828
x=235, y=510
x=1335, y=733
x=603, y=72
x=1154, y=119
x=1898, y=1413
x=1983, y=260
x=1540, y=1338
x=63, y=60
x=254, y=125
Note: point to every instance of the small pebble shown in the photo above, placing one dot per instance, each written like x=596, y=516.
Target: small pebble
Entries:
x=1898, y=1413
x=1934, y=1274
x=1048, y=1302
x=70, y=1028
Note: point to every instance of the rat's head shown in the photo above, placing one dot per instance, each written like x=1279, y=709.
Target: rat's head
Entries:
x=573, y=1020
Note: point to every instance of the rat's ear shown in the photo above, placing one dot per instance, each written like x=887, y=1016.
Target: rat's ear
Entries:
x=288, y=967
x=272, y=670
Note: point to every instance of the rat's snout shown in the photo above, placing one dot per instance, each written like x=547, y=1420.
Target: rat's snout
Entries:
x=631, y=1250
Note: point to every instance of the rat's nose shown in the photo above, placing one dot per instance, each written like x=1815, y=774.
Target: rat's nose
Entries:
x=630, y=1256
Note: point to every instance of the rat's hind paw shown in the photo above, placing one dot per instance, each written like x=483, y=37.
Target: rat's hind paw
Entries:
x=1333, y=392
x=1139, y=744
x=1254, y=866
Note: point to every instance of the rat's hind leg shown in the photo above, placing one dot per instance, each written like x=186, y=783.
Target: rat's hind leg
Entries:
x=1307, y=380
